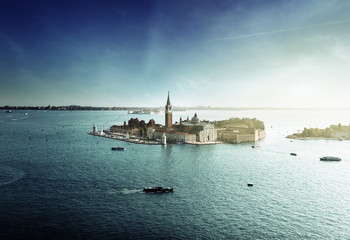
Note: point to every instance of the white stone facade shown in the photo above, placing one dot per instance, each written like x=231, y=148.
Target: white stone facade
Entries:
x=208, y=134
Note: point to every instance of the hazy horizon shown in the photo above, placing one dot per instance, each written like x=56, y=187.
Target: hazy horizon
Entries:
x=234, y=53
x=174, y=107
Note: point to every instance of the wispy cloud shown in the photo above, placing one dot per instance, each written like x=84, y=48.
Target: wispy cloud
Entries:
x=281, y=30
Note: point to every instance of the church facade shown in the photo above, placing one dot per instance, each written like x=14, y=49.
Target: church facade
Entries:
x=188, y=131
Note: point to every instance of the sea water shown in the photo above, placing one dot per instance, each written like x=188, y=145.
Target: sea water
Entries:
x=58, y=182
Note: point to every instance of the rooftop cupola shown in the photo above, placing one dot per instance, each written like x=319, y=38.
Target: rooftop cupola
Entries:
x=195, y=119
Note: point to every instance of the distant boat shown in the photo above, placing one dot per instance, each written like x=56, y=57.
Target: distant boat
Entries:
x=118, y=148
x=255, y=146
x=8, y=111
x=250, y=184
x=293, y=154
x=140, y=112
x=330, y=159
x=158, y=189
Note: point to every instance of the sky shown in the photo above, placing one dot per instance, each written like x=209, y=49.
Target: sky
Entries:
x=219, y=53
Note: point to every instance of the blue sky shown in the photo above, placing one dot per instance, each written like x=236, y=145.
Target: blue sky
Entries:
x=235, y=53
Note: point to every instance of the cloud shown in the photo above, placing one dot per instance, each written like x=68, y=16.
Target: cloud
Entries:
x=281, y=30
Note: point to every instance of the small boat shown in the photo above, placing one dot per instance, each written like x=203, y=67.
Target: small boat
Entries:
x=250, y=184
x=8, y=111
x=118, y=148
x=255, y=146
x=158, y=189
x=330, y=159
x=293, y=154
x=140, y=112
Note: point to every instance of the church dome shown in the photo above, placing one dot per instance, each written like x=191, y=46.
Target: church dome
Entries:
x=195, y=119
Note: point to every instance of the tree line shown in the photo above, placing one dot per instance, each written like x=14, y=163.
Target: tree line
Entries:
x=252, y=123
x=326, y=133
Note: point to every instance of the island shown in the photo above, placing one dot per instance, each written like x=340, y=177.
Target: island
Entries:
x=336, y=132
x=190, y=131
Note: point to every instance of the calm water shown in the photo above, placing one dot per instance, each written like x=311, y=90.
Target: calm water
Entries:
x=56, y=181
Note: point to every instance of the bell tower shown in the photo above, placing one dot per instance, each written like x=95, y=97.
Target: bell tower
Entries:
x=168, y=113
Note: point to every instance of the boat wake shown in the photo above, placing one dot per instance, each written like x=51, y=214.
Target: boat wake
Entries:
x=10, y=175
x=130, y=191
x=274, y=151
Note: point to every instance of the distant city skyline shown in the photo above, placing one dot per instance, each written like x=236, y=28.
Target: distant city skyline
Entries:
x=226, y=53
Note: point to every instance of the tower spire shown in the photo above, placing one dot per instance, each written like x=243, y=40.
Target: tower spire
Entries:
x=168, y=113
x=168, y=101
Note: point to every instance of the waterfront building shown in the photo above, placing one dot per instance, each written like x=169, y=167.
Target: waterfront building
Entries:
x=239, y=135
x=204, y=131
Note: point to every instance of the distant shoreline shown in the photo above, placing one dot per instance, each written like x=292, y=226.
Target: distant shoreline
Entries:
x=313, y=138
x=90, y=108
